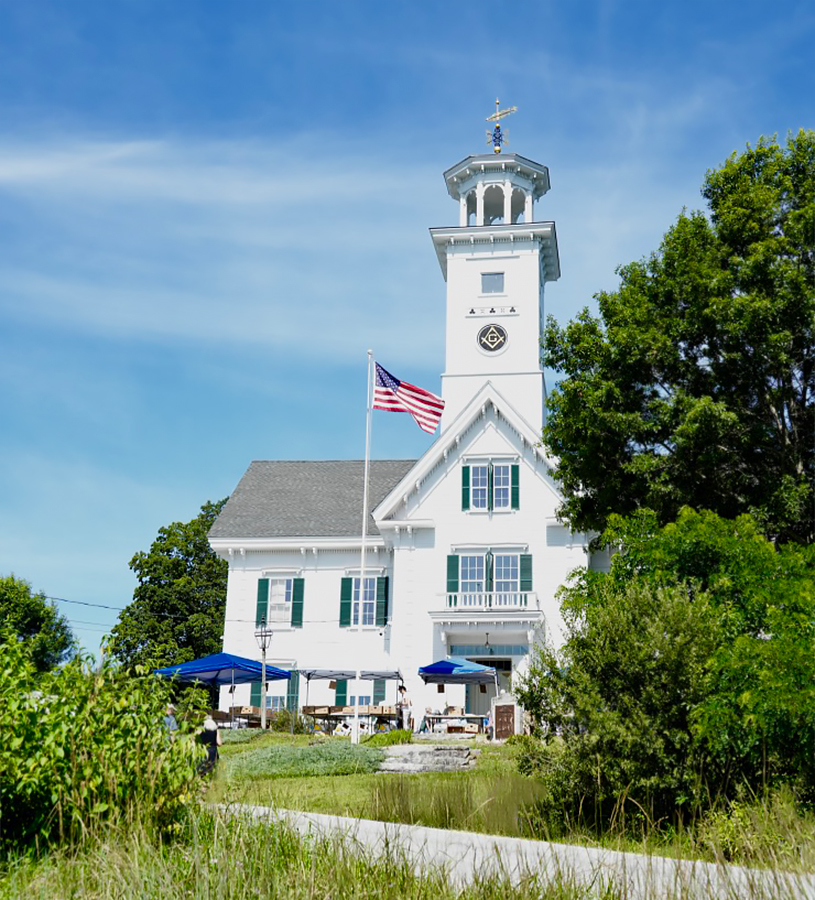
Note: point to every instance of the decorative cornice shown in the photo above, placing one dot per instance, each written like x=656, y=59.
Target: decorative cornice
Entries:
x=475, y=237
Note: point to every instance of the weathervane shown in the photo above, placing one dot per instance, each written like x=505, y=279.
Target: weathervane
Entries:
x=496, y=136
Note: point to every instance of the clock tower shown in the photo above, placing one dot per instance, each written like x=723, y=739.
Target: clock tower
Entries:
x=496, y=262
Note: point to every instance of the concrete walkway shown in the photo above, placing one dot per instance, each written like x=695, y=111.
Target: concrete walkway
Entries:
x=465, y=856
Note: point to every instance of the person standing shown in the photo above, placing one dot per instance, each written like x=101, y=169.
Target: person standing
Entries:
x=210, y=737
x=405, y=709
x=170, y=722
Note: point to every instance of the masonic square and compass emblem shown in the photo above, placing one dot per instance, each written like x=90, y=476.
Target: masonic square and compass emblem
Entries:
x=492, y=337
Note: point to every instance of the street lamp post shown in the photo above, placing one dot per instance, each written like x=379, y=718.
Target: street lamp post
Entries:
x=263, y=635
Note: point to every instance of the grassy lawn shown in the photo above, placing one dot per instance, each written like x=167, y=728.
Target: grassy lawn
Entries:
x=228, y=858
x=332, y=776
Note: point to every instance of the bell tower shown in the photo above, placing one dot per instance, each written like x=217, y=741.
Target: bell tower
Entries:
x=496, y=262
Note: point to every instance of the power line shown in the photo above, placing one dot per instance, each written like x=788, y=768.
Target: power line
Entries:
x=85, y=603
x=167, y=615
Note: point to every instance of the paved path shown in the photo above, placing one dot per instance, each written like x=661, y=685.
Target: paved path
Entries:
x=465, y=856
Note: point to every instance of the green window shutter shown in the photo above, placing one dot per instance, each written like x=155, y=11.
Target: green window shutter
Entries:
x=293, y=692
x=263, y=600
x=297, y=589
x=341, y=692
x=488, y=568
x=515, y=486
x=382, y=601
x=489, y=486
x=465, y=487
x=379, y=691
x=346, y=592
x=452, y=574
x=526, y=572
x=254, y=694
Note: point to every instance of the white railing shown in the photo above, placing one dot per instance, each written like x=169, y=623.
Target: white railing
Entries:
x=492, y=600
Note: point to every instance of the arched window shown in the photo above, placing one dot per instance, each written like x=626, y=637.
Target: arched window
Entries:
x=494, y=205
x=518, y=206
x=471, y=208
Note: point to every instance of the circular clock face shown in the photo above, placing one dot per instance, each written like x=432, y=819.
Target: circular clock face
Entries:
x=492, y=338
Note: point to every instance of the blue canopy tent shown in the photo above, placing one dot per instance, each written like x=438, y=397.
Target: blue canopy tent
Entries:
x=222, y=668
x=456, y=670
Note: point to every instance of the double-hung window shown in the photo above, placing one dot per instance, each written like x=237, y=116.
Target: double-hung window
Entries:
x=506, y=583
x=280, y=601
x=365, y=607
x=275, y=702
x=472, y=584
x=341, y=697
x=488, y=579
x=363, y=602
x=489, y=486
x=280, y=594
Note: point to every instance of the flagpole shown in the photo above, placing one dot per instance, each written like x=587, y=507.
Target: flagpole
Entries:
x=363, y=542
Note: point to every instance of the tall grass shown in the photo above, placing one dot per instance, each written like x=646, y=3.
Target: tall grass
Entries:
x=492, y=804
x=232, y=859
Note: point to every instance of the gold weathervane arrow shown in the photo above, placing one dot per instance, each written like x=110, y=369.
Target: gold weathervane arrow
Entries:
x=496, y=136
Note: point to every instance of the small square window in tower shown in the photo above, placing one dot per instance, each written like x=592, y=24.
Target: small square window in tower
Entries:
x=492, y=282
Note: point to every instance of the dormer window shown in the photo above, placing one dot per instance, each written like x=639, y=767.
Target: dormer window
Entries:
x=492, y=282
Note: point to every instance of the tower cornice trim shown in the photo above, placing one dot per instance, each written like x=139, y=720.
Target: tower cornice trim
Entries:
x=486, y=237
x=473, y=166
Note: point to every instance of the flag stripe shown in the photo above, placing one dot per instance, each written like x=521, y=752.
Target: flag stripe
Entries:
x=393, y=395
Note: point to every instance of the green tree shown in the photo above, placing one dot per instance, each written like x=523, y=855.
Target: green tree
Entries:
x=35, y=621
x=688, y=671
x=177, y=613
x=694, y=386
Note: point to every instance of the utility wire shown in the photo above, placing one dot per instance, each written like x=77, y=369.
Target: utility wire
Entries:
x=177, y=615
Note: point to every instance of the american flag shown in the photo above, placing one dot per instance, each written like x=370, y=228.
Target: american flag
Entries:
x=394, y=395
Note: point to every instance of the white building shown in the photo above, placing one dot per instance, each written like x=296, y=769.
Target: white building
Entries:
x=464, y=553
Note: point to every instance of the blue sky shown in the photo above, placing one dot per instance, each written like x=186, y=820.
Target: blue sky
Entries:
x=210, y=211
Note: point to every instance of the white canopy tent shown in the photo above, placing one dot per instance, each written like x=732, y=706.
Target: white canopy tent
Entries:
x=340, y=673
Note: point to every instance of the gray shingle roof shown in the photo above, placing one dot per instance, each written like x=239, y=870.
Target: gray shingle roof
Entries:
x=296, y=498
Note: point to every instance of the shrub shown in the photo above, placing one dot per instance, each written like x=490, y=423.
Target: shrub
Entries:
x=281, y=720
x=687, y=672
x=770, y=830
x=329, y=758
x=84, y=747
x=389, y=738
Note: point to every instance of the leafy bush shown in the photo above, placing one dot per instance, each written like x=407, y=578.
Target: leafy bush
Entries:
x=281, y=720
x=756, y=831
x=83, y=747
x=389, y=738
x=688, y=672
x=329, y=758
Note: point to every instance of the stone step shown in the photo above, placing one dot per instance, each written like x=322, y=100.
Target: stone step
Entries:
x=413, y=758
x=404, y=767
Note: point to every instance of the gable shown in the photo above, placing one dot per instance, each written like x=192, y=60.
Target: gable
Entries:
x=489, y=426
